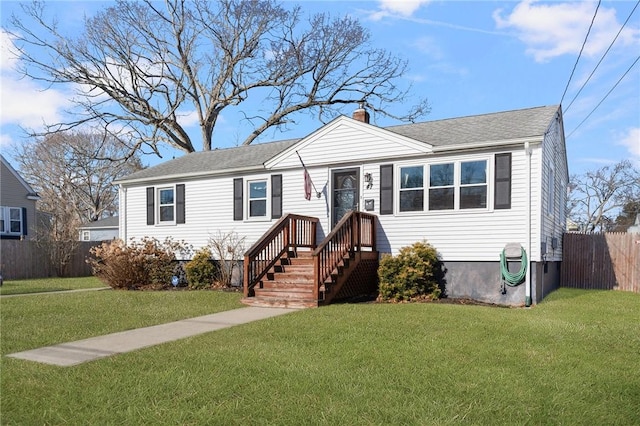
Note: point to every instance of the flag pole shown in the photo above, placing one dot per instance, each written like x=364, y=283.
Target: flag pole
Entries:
x=318, y=194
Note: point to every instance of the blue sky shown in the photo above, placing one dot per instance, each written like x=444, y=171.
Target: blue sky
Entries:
x=466, y=57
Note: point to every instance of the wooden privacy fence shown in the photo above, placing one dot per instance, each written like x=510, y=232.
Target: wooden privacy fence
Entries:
x=601, y=261
x=26, y=260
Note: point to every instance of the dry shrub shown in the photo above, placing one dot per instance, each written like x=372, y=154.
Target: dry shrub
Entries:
x=139, y=264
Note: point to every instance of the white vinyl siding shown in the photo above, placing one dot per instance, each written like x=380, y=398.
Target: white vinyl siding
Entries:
x=554, y=185
x=473, y=234
x=347, y=143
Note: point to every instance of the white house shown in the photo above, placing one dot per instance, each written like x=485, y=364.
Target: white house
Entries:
x=100, y=230
x=469, y=186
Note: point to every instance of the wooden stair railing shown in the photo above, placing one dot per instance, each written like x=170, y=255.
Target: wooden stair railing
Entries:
x=355, y=231
x=289, y=233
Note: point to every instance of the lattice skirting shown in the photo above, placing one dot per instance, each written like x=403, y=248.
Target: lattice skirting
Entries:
x=362, y=281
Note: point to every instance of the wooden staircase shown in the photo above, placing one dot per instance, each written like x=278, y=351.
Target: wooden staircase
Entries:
x=287, y=269
x=288, y=284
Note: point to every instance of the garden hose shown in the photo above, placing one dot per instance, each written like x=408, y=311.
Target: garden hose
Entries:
x=510, y=279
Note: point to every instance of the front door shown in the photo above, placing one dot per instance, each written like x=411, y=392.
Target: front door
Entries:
x=345, y=193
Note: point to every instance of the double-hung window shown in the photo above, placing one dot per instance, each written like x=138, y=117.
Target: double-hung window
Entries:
x=441, y=186
x=11, y=221
x=166, y=205
x=473, y=184
x=411, y=189
x=458, y=185
x=258, y=200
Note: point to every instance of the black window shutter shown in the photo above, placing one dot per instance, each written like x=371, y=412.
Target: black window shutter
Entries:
x=180, y=207
x=150, y=206
x=237, y=199
x=503, y=181
x=276, y=196
x=386, y=189
x=24, y=221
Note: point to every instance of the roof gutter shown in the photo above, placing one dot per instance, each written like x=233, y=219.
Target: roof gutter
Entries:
x=490, y=144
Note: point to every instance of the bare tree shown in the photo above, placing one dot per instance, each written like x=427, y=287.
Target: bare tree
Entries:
x=596, y=197
x=141, y=67
x=73, y=174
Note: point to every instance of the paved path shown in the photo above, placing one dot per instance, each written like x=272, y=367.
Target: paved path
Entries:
x=74, y=353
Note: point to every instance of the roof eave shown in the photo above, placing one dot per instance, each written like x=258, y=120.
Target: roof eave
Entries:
x=489, y=144
x=183, y=176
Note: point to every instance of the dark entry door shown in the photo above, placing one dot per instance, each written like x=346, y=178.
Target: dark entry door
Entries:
x=345, y=193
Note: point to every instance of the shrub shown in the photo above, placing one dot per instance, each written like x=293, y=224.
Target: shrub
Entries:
x=412, y=274
x=137, y=264
x=200, y=270
x=229, y=250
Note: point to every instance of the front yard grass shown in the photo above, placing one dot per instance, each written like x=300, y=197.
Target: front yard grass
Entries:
x=573, y=359
x=49, y=284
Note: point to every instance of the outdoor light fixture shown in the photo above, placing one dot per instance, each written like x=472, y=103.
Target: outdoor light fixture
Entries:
x=369, y=179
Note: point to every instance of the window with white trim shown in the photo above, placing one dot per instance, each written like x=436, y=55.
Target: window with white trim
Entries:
x=441, y=186
x=458, y=185
x=86, y=235
x=11, y=220
x=473, y=184
x=411, y=189
x=258, y=200
x=166, y=205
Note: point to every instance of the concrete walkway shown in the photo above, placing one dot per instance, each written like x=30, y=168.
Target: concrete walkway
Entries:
x=74, y=353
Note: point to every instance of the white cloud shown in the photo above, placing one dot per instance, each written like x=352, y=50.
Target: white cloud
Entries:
x=404, y=8
x=550, y=30
x=189, y=118
x=22, y=101
x=632, y=142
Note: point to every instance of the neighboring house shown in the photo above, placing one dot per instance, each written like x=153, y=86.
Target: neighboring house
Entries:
x=17, y=204
x=101, y=230
x=469, y=186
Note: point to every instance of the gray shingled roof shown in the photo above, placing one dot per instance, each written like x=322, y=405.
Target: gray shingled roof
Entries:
x=109, y=222
x=478, y=129
x=195, y=163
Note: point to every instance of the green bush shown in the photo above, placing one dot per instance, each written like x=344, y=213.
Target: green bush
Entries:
x=200, y=270
x=413, y=274
x=147, y=263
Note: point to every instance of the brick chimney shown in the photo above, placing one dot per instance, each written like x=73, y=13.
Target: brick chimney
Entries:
x=361, y=114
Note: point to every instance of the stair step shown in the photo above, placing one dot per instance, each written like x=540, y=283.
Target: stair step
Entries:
x=284, y=293
x=293, y=268
x=294, y=285
x=290, y=278
x=297, y=261
x=272, y=302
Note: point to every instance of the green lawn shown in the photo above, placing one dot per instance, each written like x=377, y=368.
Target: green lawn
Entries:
x=573, y=359
x=49, y=284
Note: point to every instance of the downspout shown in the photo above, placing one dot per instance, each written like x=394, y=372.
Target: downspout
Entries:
x=123, y=213
x=527, y=289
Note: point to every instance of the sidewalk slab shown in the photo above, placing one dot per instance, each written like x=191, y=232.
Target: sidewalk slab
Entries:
x=74, y=353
